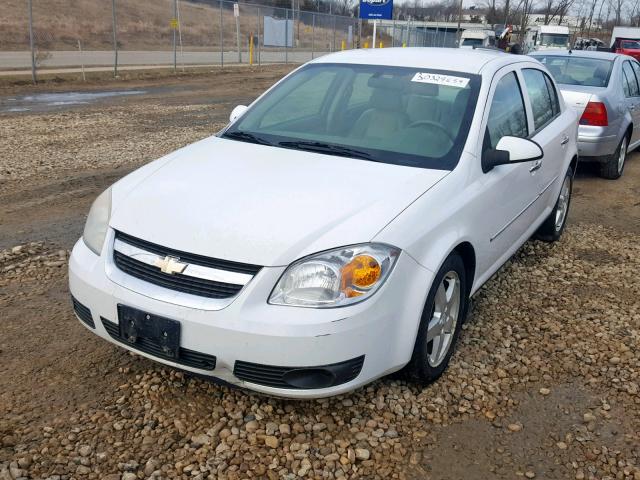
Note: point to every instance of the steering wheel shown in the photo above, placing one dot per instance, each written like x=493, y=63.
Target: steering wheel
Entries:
x=431, y=123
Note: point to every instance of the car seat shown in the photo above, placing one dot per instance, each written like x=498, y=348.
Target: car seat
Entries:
x=385, y=114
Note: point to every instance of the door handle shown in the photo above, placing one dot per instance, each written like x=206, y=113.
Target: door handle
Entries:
x=632, y=107
x=536, y=166
x=565, y=140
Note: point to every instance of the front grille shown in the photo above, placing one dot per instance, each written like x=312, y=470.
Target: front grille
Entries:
x=83, y=313
x=273, y=376
x=187, y=357
x=182, y=283
x=189, y=257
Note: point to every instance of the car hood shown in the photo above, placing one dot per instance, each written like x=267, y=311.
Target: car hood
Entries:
x=260, y=204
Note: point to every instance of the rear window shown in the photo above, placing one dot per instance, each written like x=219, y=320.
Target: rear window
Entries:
x=630, y=44
x=593, y=72
x=470, y=42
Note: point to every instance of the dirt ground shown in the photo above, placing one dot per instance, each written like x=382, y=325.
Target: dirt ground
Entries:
x=543, y=385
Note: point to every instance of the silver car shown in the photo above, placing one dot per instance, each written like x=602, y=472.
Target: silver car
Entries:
x=604, y=88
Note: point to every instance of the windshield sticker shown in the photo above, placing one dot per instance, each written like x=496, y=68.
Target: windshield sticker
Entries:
x=437, y=79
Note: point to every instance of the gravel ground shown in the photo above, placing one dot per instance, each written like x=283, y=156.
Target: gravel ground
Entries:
x=544, y=384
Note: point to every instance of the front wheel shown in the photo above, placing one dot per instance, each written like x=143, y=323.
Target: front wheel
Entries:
x=442, y=318
x=552, y=228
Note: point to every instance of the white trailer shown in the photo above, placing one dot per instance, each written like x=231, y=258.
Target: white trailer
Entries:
x=546, y=37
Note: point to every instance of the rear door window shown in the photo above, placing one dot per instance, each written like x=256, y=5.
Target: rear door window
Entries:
x=631, y=89
x=553, y=93
x=542, y=101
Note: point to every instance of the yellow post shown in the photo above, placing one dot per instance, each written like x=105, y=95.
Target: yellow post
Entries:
x=366, y=44
x=381, y=46
x=404, y=44
x=344, y=45
x=251, y=49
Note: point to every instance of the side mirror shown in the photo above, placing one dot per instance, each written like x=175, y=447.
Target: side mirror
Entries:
x=511, y=150
x=237, y=112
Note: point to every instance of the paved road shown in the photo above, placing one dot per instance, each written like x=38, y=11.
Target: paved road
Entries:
x=71, y=58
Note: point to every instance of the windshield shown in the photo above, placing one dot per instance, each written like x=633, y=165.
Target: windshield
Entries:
x=554, y=40
x=398, y=115
x=578, y=71
x=469, y=42
x=630, y=44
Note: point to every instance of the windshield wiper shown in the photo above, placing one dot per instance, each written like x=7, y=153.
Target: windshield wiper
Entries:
x=246, y=137
x=320, y=147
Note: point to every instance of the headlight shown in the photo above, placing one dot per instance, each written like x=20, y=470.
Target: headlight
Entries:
x=335, y=278
x=97, y=222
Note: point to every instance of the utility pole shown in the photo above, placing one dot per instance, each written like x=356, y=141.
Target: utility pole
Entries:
x=33, y=53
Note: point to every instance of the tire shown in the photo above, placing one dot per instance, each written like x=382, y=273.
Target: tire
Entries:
x=552, y=228
x=613, y=167
x=427, y=364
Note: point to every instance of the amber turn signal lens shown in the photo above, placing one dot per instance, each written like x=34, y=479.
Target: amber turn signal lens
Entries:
x=361, y=272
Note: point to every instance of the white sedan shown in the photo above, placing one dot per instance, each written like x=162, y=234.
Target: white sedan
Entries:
x=335, y=230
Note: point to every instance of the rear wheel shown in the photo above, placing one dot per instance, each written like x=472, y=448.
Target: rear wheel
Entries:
x=441, y=321
x=614, y=166
x=552, y=228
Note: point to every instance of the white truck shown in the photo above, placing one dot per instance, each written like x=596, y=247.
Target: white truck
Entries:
x=477, y=37
x=546, y=37
x=624, y=33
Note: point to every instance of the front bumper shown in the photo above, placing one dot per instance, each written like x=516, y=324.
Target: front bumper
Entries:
x=249, y=332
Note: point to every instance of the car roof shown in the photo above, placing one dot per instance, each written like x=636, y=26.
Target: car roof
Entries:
x=577, y=53
x=475, y=61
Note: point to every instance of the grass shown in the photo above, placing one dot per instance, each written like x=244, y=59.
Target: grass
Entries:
x=145, y=25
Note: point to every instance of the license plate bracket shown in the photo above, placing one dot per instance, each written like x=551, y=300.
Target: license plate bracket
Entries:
x=138, y=328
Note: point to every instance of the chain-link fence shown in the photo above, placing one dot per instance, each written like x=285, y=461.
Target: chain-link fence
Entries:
x=180, y=34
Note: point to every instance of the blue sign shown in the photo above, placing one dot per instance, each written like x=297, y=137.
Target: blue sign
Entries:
x=376, y=9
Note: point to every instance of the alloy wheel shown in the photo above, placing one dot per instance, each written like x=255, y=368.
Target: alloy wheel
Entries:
x=622, y=155
x=444, y=319
x=563, y=203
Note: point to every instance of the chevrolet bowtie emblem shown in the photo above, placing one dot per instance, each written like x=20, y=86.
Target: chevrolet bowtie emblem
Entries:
x=170, y=265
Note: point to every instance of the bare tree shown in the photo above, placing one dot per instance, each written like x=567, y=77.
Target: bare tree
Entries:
x=344, y=7
x=556, y=8
x=617, y=6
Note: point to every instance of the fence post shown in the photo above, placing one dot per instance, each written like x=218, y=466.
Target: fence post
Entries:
x=393, y=34
x=313, y=35
x=115, y=38
x=286, y=36
x=259, y=33
x=236, y=13
x=84, y=78
x=180, y=35
x=175, y=44
x=333, y=48
x=221, y=38
x=33, y=53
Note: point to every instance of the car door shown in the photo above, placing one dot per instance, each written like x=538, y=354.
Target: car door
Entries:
x=552, y=130
x=636, y=110
x=631, y=97
x=502, y=208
